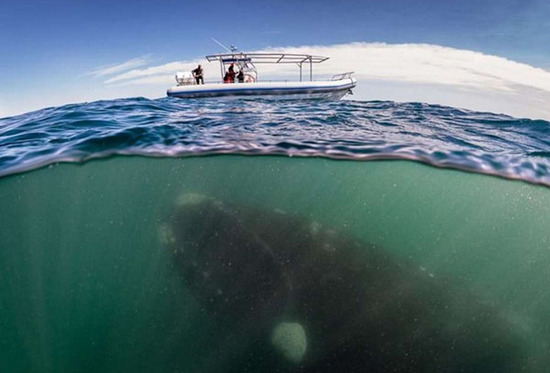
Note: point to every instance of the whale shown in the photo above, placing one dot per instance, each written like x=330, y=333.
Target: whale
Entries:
x=294, y=295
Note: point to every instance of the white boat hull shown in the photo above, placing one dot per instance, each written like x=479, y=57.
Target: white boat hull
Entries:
x=330, y=89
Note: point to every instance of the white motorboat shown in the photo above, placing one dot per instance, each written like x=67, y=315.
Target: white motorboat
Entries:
x=250, y=85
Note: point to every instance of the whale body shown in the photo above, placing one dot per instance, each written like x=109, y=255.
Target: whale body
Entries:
x=294, y=295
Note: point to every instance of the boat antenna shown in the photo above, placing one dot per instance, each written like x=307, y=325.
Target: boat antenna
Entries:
x=223, y=46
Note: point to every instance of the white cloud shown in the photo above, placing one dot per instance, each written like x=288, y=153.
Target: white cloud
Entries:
x=413, y=63
x=155, y=71
x=115, y=69
x=398, y=72
x=428, y=64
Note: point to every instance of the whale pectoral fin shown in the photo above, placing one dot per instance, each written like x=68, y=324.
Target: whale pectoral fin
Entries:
x=289, y=338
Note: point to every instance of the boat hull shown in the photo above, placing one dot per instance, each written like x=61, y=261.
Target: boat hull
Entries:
x=332, y=90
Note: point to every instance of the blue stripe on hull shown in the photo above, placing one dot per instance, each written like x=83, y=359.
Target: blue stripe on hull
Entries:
x=260, y=92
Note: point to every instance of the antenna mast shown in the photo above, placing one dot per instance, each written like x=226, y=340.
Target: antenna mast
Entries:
x=223, y=46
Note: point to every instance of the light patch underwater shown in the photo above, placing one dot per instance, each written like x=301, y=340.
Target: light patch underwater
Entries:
x=89, y=284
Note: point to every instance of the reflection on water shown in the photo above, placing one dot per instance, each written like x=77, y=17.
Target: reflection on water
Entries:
x=313, y=259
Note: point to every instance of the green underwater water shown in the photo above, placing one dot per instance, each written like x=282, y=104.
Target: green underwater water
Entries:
x=86, y=285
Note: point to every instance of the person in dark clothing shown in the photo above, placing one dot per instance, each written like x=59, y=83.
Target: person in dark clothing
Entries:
x=240, y=76
x=198, y=75
x=231, y=73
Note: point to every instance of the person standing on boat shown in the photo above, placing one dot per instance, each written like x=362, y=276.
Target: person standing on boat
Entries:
x=240, y=76
x=231, y=74
x=197, y=74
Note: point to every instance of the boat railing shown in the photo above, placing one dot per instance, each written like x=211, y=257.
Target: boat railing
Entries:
x=262, y=81
x=342, y=76
x=334, y=78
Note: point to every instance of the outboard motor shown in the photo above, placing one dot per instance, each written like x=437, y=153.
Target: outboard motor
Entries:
x=185, y=78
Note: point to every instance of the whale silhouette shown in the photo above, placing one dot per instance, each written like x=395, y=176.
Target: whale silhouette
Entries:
x=293, y=295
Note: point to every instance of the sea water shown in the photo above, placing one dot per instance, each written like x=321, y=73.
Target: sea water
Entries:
x=87, y=285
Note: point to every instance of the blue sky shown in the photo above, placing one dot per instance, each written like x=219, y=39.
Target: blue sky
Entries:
x=50, y=48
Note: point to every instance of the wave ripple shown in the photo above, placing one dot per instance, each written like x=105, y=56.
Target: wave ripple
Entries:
x=437, y=135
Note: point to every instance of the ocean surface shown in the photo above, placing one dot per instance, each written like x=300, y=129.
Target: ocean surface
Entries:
x=455, y=202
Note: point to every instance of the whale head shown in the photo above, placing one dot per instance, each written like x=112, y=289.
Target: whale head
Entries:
x=224, y=263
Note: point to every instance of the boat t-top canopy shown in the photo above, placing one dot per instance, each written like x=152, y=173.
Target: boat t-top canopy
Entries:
x=268, y=57
x=248, y=60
